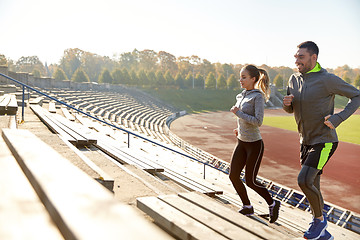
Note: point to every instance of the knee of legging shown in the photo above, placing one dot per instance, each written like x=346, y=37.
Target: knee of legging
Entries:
x=249, y=183
x=302, y=183
x=233, y=176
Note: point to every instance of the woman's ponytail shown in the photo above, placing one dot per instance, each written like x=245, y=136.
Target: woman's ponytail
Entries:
x=264, y=84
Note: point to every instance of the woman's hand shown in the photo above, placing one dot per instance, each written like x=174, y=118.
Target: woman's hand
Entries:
x=234, y=109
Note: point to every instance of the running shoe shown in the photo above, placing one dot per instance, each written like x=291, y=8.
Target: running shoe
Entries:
x=274, y=211
x=247, y=211
x=316, y=229
x=326, y=236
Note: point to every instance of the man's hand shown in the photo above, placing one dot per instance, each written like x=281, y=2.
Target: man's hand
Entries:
x=328, y=123
x=288, y=99
x=234, y=109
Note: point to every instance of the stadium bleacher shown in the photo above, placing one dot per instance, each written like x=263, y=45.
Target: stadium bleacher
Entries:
x=132, y=111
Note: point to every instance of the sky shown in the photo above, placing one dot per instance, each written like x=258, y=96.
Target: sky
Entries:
x=226, y=31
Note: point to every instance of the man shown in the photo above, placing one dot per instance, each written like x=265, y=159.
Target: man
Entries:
x=310, y=96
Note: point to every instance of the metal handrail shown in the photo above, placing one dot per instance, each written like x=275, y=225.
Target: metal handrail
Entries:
x=109, y=124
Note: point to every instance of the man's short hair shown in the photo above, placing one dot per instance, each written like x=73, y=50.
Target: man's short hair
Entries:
x=311, y=47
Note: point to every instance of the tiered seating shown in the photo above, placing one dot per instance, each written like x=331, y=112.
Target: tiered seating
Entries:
x=8, y=104
x=21, y=208
x=144, y=116
x=58, y=124
x=193, y=215
x=62, y=202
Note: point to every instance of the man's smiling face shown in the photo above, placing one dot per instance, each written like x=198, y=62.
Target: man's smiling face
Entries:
x=304, y=61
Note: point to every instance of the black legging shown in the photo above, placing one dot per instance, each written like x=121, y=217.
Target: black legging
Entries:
x=248, y=154
x=309, y=182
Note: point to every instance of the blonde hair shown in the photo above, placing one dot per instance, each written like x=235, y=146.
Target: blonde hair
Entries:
x=264, y=84
x=262, y=80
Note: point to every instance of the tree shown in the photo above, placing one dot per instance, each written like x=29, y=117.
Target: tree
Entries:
x=346, y=78
x=343, y=71
x=36, y=73
x=199, y=81
x=184, y=65
x=80, y=76
x=228, y=70
x=93, y=65
x=143, y=79
x=70, y=61
x=59, y=75
x=189, y=80
x=285, y=72
x=105, y=77
x=169, y=78
x=221, y=82
x=270, y=71
x=179, y=81
x=3, y=60
x=232, y=83
x=117, y=76
x=357, y=81
x=210, y=82
x=126, y=76
x=134, y=77
x=196, y=63
x=28, y=64
x=167, y=61
x=207, y=67
x=148, y=59
x=52, y=68
x=151, y=78
x=129, y=60
x=160, y=79
x=279, y=81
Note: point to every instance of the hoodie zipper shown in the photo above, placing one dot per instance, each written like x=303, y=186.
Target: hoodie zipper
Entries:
x=302, y=97
x=246, y=92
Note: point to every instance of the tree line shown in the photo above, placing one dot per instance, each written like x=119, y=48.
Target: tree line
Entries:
x=153, y=69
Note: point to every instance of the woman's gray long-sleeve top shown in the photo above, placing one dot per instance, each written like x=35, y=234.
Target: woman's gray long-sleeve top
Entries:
x=250, y=114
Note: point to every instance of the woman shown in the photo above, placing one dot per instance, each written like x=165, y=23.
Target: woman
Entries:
x=249, y=110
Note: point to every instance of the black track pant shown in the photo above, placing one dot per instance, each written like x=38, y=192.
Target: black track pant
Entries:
x=309, y=182
x=248, y=155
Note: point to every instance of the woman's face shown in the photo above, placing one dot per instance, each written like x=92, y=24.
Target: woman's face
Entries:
x=246, y=81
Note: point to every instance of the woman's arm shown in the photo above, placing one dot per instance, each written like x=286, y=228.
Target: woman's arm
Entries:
x=259, y=112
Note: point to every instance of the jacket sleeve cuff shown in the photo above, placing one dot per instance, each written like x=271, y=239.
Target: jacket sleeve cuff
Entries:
x=335, y=120
x=238, y=113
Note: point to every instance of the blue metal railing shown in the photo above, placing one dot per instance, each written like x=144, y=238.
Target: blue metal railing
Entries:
x=97, y=119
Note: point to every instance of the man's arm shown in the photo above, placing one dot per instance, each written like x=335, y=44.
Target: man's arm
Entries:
x=338, y=86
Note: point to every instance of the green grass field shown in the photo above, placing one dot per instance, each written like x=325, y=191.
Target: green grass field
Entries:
x=348, y=131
